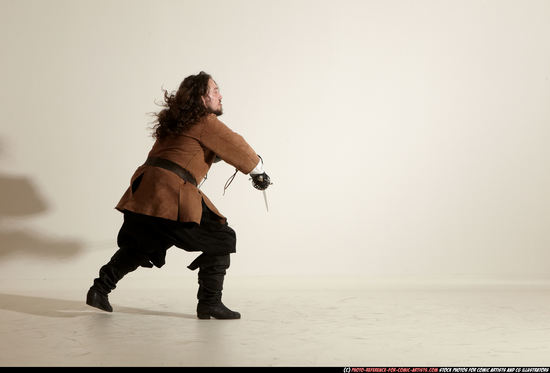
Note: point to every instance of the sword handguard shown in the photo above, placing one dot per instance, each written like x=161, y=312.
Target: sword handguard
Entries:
x=261, y=181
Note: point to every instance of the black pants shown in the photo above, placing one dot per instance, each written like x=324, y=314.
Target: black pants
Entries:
x=143, y=241
x=150, y=237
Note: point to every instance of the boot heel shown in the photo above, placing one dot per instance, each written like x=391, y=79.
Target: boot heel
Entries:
x=218, y=311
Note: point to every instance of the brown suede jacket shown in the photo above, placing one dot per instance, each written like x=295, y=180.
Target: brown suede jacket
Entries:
x=163, y=194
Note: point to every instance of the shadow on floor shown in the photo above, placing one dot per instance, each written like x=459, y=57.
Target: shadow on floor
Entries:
x=19, y=199
x=28, y=242
x=51, y=307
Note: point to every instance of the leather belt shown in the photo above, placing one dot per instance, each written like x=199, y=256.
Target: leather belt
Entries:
x=171, y=166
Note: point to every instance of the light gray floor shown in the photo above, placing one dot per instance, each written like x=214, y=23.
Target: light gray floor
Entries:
x=286, y=322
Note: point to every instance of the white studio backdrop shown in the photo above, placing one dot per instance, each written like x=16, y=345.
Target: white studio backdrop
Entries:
x=404, y=138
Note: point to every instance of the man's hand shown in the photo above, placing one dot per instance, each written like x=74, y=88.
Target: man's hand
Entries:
x=261, y=181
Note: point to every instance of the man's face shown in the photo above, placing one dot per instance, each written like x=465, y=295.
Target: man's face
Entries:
x=213, y=99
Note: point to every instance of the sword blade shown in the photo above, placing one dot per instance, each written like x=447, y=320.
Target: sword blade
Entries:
x=265, y=200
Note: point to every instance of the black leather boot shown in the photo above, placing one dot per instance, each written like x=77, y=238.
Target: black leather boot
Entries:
x=95, y=299
x=217, y=311
x=123, y=262
x=211, y=275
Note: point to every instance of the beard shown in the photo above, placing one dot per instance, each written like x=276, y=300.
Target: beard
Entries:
x=216, y=112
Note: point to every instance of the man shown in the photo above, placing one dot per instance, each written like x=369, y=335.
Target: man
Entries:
x=163, y=207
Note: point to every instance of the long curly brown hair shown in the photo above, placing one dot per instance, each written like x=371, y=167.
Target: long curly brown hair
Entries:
x=182, y=109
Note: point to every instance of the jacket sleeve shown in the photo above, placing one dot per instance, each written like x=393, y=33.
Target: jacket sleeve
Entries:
x=228, y=145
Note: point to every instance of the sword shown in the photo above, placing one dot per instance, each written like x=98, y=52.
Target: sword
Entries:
x=265, y=200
